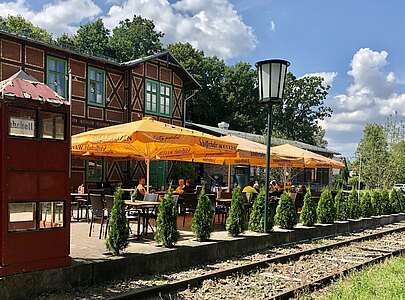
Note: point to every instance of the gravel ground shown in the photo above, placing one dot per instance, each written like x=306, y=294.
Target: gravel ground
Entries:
x=257, y=284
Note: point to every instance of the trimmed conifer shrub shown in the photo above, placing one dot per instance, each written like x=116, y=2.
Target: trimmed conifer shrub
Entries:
x=326, y=208
x=285, y=217
x=385, y=202
x=340, y=206
x=376, y=201
x=308, y=212
x=367, y=209
x=118, y=231
x=235, y=222
x=166, y=232
x=353, y=205
x=401, y=201
x=395, y=201
x=256, y=222
x=202, y=223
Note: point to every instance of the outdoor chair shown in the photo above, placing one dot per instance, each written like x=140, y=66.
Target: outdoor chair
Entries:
x=109, y=203
x=150, y=213
x=134, y=215
x=189, y=204
x=248, y=199
x=97, y=212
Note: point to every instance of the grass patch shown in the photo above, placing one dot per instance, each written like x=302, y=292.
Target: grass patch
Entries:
x=381, y=281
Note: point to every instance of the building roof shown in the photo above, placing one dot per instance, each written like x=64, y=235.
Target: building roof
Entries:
x=186, y=76
x=260, y=138
x=22, y=85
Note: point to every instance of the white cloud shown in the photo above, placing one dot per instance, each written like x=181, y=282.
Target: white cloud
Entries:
x=211, y=25
x=371, y=97
x=272, y=26
x=57, y=17
x=328, y=77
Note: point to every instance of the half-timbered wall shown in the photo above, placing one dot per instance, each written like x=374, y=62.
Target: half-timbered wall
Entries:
x=124, y=95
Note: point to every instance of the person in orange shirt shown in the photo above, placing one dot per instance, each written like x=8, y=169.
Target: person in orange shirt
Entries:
x=180, y=188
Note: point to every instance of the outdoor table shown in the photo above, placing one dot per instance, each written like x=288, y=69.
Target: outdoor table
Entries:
x=81, y=199
x=143, y=205
x=129, y=190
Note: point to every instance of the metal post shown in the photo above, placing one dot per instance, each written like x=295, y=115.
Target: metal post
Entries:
x=70, y=119
x=358, y=184
x=267, y=185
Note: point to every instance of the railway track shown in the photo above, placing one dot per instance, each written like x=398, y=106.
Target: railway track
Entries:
x=285, y=274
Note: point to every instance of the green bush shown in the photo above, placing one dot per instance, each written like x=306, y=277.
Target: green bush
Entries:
x=166, y=224
x=118, y=231
x=402, y=201
x=202, y=223
x=385, y=202
x=308, y=212
x=376, y=202
x=326, y=208
x=286, y=217
x=340, y=206
x=395, y=201
x=235, y=223
x=256, y=222
x=353, y=205
x=366, y=205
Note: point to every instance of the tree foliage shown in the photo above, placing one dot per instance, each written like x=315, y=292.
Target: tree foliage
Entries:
x=376, y=201
x=367, y=209
x=385, y=202
x=117, y=239
x=285, y=217
x=373, y=153
x=326, y=208
x=21, y=26
x=396, y=201
x=353, y=205
x=235, y=222
x=166, y=224
x=398, y=162
x=308, y=212
x=340, y=206
x=202, y=223
x=256, y=222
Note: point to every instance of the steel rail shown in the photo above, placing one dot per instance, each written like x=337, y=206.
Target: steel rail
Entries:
x=168, y=288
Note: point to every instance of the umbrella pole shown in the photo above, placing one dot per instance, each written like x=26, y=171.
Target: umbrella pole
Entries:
x=147, y=174
x=229, y=178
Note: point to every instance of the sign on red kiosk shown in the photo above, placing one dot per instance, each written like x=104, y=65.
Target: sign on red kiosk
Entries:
x=34, y=176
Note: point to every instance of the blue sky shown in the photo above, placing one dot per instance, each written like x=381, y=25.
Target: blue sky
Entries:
x=357, y=45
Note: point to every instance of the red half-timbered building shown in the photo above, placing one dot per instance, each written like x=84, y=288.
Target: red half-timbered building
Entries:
x=104, y=92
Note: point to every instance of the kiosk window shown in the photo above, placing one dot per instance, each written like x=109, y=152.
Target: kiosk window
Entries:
x=94, y=170
x=50, y=214
x=52, y=126
x=21, y=216
x=22, y=122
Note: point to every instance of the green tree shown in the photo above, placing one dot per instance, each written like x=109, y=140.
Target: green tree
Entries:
x=19, y=25
x=366, y=204
x=135, y=38
x=256, y=222
x=353, y=205
x=202, y=223
x=235, y=222
x=117, y=239
x=395, y=201
x=377, y=202
x=340, y=206
x=308, y=213
x=326, y=208
x=66, y=41
x=285, y=217
x=374, y=155
x=304, y=107
x=385, y=202
x=398, y=162
x=166, y=223
x=93, y=38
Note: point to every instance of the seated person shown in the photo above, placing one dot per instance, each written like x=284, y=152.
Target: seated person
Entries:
x=140, y=189
x=256, y=186
x=180, y=188
x=188, y=188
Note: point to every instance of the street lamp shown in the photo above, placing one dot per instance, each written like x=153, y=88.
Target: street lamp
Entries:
x=271, y=74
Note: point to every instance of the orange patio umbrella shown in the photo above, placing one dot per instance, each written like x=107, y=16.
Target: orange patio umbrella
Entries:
x=148, y=139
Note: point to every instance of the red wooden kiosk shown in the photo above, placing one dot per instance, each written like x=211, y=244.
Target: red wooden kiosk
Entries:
x=34, y=176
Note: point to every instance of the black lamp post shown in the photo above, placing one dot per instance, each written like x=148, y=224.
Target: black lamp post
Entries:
x=272, y=75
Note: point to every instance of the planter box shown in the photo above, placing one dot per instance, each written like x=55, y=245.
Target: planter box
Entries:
x=326, y=229
x=342, y=227
x=385, y=219
x=355, y=225
x=369, y=223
